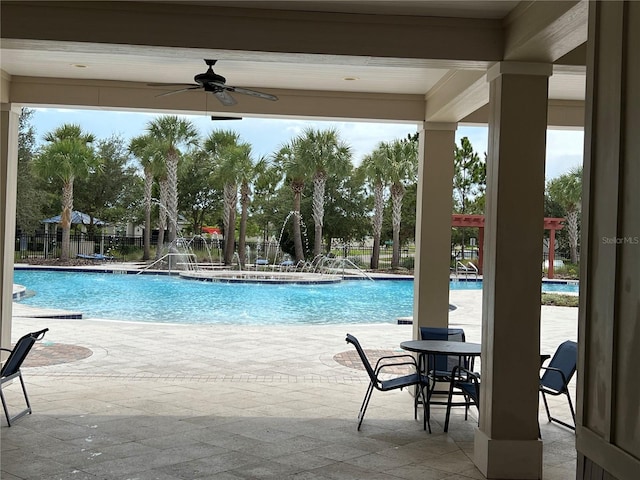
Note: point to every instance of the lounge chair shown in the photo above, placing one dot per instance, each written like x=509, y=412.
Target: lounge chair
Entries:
x=11, y=370
x=96, y=257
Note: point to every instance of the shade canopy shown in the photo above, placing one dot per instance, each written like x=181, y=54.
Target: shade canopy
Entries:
x=76, y=217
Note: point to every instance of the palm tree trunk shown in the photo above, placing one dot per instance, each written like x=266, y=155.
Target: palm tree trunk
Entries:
x=148, y=185
x=397, y=192
x=162, y=218
x=172, y=198
x=378, y=211
x=319, y=183
x=572, y=232
x=65, y=219
x=297, y=234
x=244, y=202
x=230, y=200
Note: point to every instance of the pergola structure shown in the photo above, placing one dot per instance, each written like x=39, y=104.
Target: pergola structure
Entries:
x=519, y=67
x=477, y=221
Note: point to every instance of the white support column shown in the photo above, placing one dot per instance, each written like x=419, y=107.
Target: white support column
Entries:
x=9, y=118
x=433, y=226
x=506, y=443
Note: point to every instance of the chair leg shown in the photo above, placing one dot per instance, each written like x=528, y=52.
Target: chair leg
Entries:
x=425, y=409
x=365, y=404
x=573, y=413
x=557, y=420
x=26, y=399
x=546, y=405
x=446, y=419
x=4, y=407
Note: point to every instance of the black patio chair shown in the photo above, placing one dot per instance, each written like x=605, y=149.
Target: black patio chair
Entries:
x=556, y=377
x=11, y=370
x=468, y=384
x=398, y=382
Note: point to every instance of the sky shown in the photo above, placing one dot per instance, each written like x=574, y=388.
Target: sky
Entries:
x=564, y=147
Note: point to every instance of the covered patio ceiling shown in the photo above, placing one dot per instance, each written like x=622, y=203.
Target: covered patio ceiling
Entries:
x=406, y=61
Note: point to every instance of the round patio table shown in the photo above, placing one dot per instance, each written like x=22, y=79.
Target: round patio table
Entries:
x=432, y=348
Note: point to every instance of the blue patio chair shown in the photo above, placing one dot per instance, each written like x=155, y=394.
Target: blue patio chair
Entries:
x=556, y=377
x=11, y=370
x=384, y=385
x=468, y=383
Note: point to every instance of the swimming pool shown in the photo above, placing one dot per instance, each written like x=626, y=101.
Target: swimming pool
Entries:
x=170, y=299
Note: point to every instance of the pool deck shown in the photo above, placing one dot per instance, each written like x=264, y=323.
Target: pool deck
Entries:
x=124, y=400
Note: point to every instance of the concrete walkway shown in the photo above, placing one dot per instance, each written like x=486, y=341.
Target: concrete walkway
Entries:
x=126, y=400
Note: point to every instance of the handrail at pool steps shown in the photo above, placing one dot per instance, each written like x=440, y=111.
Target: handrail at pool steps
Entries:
x=466, y=269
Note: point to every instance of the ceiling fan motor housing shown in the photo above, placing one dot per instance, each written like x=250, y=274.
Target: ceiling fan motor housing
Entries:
x=209, y=76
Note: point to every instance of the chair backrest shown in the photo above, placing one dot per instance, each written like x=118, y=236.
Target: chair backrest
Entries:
x=564, y=359
x=20, y=352
x=365, y=361
x=443, y=362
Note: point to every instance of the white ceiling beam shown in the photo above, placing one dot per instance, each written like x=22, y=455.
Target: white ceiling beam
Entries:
x=96, y=94
x=5, y=87
x=476, y=41
x=545, y=31
x=458, y=94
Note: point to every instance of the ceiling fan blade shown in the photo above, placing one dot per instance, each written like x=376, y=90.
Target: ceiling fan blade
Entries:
x=225, y=99
x=254, y=93
x=179, y=91
x=172, y=85
x=215, y=117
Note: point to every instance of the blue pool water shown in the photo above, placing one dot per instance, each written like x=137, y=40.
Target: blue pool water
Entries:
x=169, y=299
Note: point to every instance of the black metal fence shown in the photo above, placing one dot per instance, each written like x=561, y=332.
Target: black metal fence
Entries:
x=129, y=248
x=47, y=245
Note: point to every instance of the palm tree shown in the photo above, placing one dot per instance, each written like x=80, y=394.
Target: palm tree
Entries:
x=567, y=191
x=373, y=166
x=143, y=148
x=296, y=172
x=170, y=132
x=325, y=154
x=400, y=159
x=230, y=157
x=68, y=155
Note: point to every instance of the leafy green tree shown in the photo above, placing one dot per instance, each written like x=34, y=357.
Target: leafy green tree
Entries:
x=324, y=154
x=31, y=198
x=249, y=171
x=346, y=209
x=566, y=190
x=267, y=207
x=469, y=182
x=171, y=133
x=469, y=176
x=104, y=193
x=67, y=155
x=200, y=197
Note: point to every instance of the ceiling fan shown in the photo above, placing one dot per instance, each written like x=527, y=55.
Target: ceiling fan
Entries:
x=210, y=81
